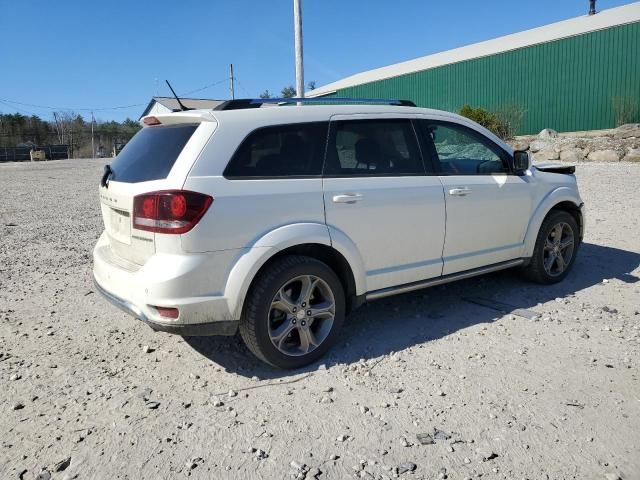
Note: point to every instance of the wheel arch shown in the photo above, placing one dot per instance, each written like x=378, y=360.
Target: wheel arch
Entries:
x=560, y=199
x=309, y=239
x=327, y=255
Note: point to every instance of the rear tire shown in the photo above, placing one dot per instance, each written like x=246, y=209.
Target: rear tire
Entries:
x=555, y=250
x=293, y=312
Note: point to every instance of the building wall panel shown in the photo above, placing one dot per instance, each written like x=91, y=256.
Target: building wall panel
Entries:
x=568, y=84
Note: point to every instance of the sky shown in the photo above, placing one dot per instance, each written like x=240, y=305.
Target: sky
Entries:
x=85, y=55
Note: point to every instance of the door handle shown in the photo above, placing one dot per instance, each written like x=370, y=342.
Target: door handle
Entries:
x=460, y=192
x=347, y=198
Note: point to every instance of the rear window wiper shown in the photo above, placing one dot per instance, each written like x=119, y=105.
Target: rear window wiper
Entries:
x=104, y=181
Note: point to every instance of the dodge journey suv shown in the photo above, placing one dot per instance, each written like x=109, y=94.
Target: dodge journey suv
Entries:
x=278, y=220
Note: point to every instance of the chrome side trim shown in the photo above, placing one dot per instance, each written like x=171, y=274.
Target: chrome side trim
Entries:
x=123, y=305
x=410, y=287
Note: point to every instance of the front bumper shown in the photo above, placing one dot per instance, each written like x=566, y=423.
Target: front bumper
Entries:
x=225, y=327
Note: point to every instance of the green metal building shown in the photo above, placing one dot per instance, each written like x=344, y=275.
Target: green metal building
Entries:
x=578, y=74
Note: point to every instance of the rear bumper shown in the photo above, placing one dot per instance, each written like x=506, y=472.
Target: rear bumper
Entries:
x=225, y=327
x=194, y=284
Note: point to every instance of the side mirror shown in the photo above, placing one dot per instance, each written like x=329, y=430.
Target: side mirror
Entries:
x=520, y=161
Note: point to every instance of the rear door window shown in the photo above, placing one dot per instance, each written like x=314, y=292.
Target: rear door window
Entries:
x=384, y=147
x=293, y=150
x=151, y=153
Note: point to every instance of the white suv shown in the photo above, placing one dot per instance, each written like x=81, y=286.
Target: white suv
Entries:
x=280, y=221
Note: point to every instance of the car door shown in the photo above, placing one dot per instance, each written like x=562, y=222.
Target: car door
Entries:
x=487, y=206
x=378, y=193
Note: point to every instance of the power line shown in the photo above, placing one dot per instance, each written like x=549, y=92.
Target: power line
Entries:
x=88, y=109
x=18, y=109
x=7, y=101
x=242, y=87
x=205, y=87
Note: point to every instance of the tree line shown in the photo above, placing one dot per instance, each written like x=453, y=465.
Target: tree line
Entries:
x=66, y=128
x=288, y=91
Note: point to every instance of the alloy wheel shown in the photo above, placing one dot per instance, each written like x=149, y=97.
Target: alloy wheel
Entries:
x=558, y=249
x=301, y=315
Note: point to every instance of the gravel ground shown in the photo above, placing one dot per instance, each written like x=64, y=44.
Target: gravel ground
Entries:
x=422, y=386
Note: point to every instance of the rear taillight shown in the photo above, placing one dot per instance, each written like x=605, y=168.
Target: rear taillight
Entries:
x=169, y=211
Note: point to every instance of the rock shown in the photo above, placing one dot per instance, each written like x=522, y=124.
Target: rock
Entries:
x=152, y=405
x=572, y=155
x=334, y=457
x=15, y=376
x=520, y=145
x=17, y=406
x=467, y=460
x=44, y=475
x=260, y=454
x=406, y=467
x=218, y=403
x=363, y=409
x=538, y=145
x=440, y=393
x=296, y=465
x=327, y=389
x=546, y=154
x=62, y=465
x=612, y=476
x=232, y=393
x=604, y=156
x=489, y=456
x=193, y=463
x=425, y=438
x=548, y=133
x=396, y=390
x=314, y=473
x=627, y=131
x=326, y=399
x=609, y=310
x=148, y=349
x=633, y=155
x=440, y=435
x=342, y=438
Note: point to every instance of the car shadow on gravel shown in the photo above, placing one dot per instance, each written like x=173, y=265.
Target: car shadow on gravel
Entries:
x=396, y=323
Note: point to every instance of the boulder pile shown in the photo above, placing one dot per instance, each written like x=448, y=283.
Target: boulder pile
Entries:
x=618, y=144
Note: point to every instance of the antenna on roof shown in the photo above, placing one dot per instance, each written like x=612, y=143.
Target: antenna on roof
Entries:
x=182, y=107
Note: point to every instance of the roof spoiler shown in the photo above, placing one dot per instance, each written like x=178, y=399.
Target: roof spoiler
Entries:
x=258, y=102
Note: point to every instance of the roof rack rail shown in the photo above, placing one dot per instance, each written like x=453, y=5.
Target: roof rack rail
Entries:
x=243, y=103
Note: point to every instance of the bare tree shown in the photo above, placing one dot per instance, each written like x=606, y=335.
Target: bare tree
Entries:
x=288, y=92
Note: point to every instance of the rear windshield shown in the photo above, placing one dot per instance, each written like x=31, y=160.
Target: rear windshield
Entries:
x=151, y=153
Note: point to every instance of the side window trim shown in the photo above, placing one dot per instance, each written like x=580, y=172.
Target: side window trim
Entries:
x=241, y=144
x=332, y=136
x=487, y=142
x=427, y=149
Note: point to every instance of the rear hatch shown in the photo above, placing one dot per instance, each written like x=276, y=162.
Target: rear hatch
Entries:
x=157, y=158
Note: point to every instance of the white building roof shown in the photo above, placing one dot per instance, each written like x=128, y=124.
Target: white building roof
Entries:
x=555, y=31
x=169, y=104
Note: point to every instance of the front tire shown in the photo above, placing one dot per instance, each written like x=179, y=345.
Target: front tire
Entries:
x=555, y=250
x=293, y=313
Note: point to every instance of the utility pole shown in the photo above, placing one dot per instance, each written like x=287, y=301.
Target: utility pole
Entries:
x=297, y=25
x=93, y=150
x=233, y=94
